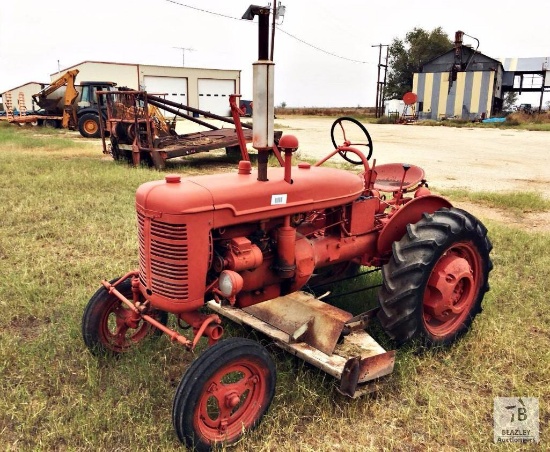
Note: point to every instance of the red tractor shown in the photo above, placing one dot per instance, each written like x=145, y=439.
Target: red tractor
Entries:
x=251, y=245
x=247, y=243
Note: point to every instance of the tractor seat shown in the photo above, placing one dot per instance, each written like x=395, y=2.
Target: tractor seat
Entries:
x=389, y=176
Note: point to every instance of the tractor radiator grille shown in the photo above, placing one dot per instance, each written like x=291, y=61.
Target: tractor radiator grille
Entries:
x=163, y=257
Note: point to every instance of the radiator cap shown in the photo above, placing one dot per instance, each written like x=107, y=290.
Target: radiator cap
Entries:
x=172, y=178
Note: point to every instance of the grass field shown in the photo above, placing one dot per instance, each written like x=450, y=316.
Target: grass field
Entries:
x=68, y=221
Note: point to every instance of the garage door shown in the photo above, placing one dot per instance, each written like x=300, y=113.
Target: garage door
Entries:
x=214, y=95
x=175, y=88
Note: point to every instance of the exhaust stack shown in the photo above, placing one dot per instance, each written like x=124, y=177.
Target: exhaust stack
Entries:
x=263, y=90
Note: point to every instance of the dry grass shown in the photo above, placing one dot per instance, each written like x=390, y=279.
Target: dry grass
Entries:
x=535, y=118
x=356, y=112
x=68, y=221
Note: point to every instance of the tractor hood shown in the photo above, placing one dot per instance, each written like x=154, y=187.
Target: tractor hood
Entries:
x=237, y=198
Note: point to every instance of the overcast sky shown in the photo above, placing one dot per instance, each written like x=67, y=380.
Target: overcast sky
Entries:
x=35, y=35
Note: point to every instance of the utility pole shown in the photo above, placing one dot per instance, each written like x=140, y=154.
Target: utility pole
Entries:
x=183, y=49
x=381, y=84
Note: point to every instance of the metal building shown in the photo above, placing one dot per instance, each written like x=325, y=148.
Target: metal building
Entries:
x=464, y=83
x=527, y=75
x=461, y=83
x=28, y=89
x=207, y=89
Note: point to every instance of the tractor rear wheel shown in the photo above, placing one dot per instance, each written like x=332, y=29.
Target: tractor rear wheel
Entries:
x=108, y=326
x=224, y=393
x=435, y=281
x=88, y=126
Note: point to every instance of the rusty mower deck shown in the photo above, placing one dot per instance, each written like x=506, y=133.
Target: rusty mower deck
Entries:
x=312, y=330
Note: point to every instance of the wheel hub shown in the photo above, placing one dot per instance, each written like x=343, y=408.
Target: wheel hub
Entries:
x=232, y=399
x=90, y=126
x=450, y=288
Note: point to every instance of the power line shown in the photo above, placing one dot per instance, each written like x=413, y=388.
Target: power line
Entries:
x=203, y=10
x=321, y=50
x=278, y=28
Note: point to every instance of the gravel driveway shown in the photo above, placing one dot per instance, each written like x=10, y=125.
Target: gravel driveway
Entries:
x=471, y=158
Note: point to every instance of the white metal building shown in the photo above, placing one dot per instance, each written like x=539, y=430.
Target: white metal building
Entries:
x=28, y=89
x=207, y=89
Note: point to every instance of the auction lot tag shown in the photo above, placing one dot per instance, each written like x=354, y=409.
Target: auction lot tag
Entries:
x=516, y=420
x=278, y=199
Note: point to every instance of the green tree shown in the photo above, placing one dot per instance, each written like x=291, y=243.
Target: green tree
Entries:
x=407, y=56
x=509, y=100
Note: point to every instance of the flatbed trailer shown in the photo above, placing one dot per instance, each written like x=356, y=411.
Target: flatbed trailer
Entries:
x=137, y=133
x=33, y=119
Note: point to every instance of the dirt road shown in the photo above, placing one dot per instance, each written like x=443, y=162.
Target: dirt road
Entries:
x=471, y=158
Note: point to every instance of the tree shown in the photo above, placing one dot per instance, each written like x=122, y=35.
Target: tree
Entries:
x=407, y=56
x=509, y=100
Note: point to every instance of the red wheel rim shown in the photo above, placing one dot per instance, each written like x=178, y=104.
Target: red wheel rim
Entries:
x=121, y=328
x=231, y=401
x=452, y=289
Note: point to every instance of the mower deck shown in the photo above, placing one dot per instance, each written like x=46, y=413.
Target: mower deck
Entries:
x=310, y=329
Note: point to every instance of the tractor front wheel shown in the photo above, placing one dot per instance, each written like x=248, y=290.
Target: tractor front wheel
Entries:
x=110, y=327
x=435, y=281
x=224, y=393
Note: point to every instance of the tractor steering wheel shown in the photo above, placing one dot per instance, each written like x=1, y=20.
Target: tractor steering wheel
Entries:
x=350, y=134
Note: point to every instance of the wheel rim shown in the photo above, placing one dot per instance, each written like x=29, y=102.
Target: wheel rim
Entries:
x=90, y=126
x=121, y=328
x=452, y=289
x=231, y=401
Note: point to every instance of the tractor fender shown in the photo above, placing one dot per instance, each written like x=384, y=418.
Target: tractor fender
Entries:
x=93, y=110
x=410, y=213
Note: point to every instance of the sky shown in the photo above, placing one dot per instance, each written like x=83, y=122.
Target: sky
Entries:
x=38, y=38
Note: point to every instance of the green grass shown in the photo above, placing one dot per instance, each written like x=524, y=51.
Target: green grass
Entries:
x=517, y=202
x=68, y=221
x=27, y=137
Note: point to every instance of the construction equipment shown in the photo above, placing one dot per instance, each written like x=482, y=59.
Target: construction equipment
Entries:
x=68, y=98
x=67, y=105
x=250, y=245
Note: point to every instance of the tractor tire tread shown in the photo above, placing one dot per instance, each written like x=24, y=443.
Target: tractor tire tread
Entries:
x=406, y=273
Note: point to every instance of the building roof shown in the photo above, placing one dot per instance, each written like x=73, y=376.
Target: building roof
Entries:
x=24, y=84
x=446, y=59
x=137, y=65
x=90, y=61
x=536, y=64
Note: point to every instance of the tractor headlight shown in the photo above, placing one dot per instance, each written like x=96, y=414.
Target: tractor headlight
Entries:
x=230, y=283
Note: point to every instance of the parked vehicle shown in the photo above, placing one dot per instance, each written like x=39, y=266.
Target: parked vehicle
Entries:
x=64, y=104
x=526, y=108
x=72, y=106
